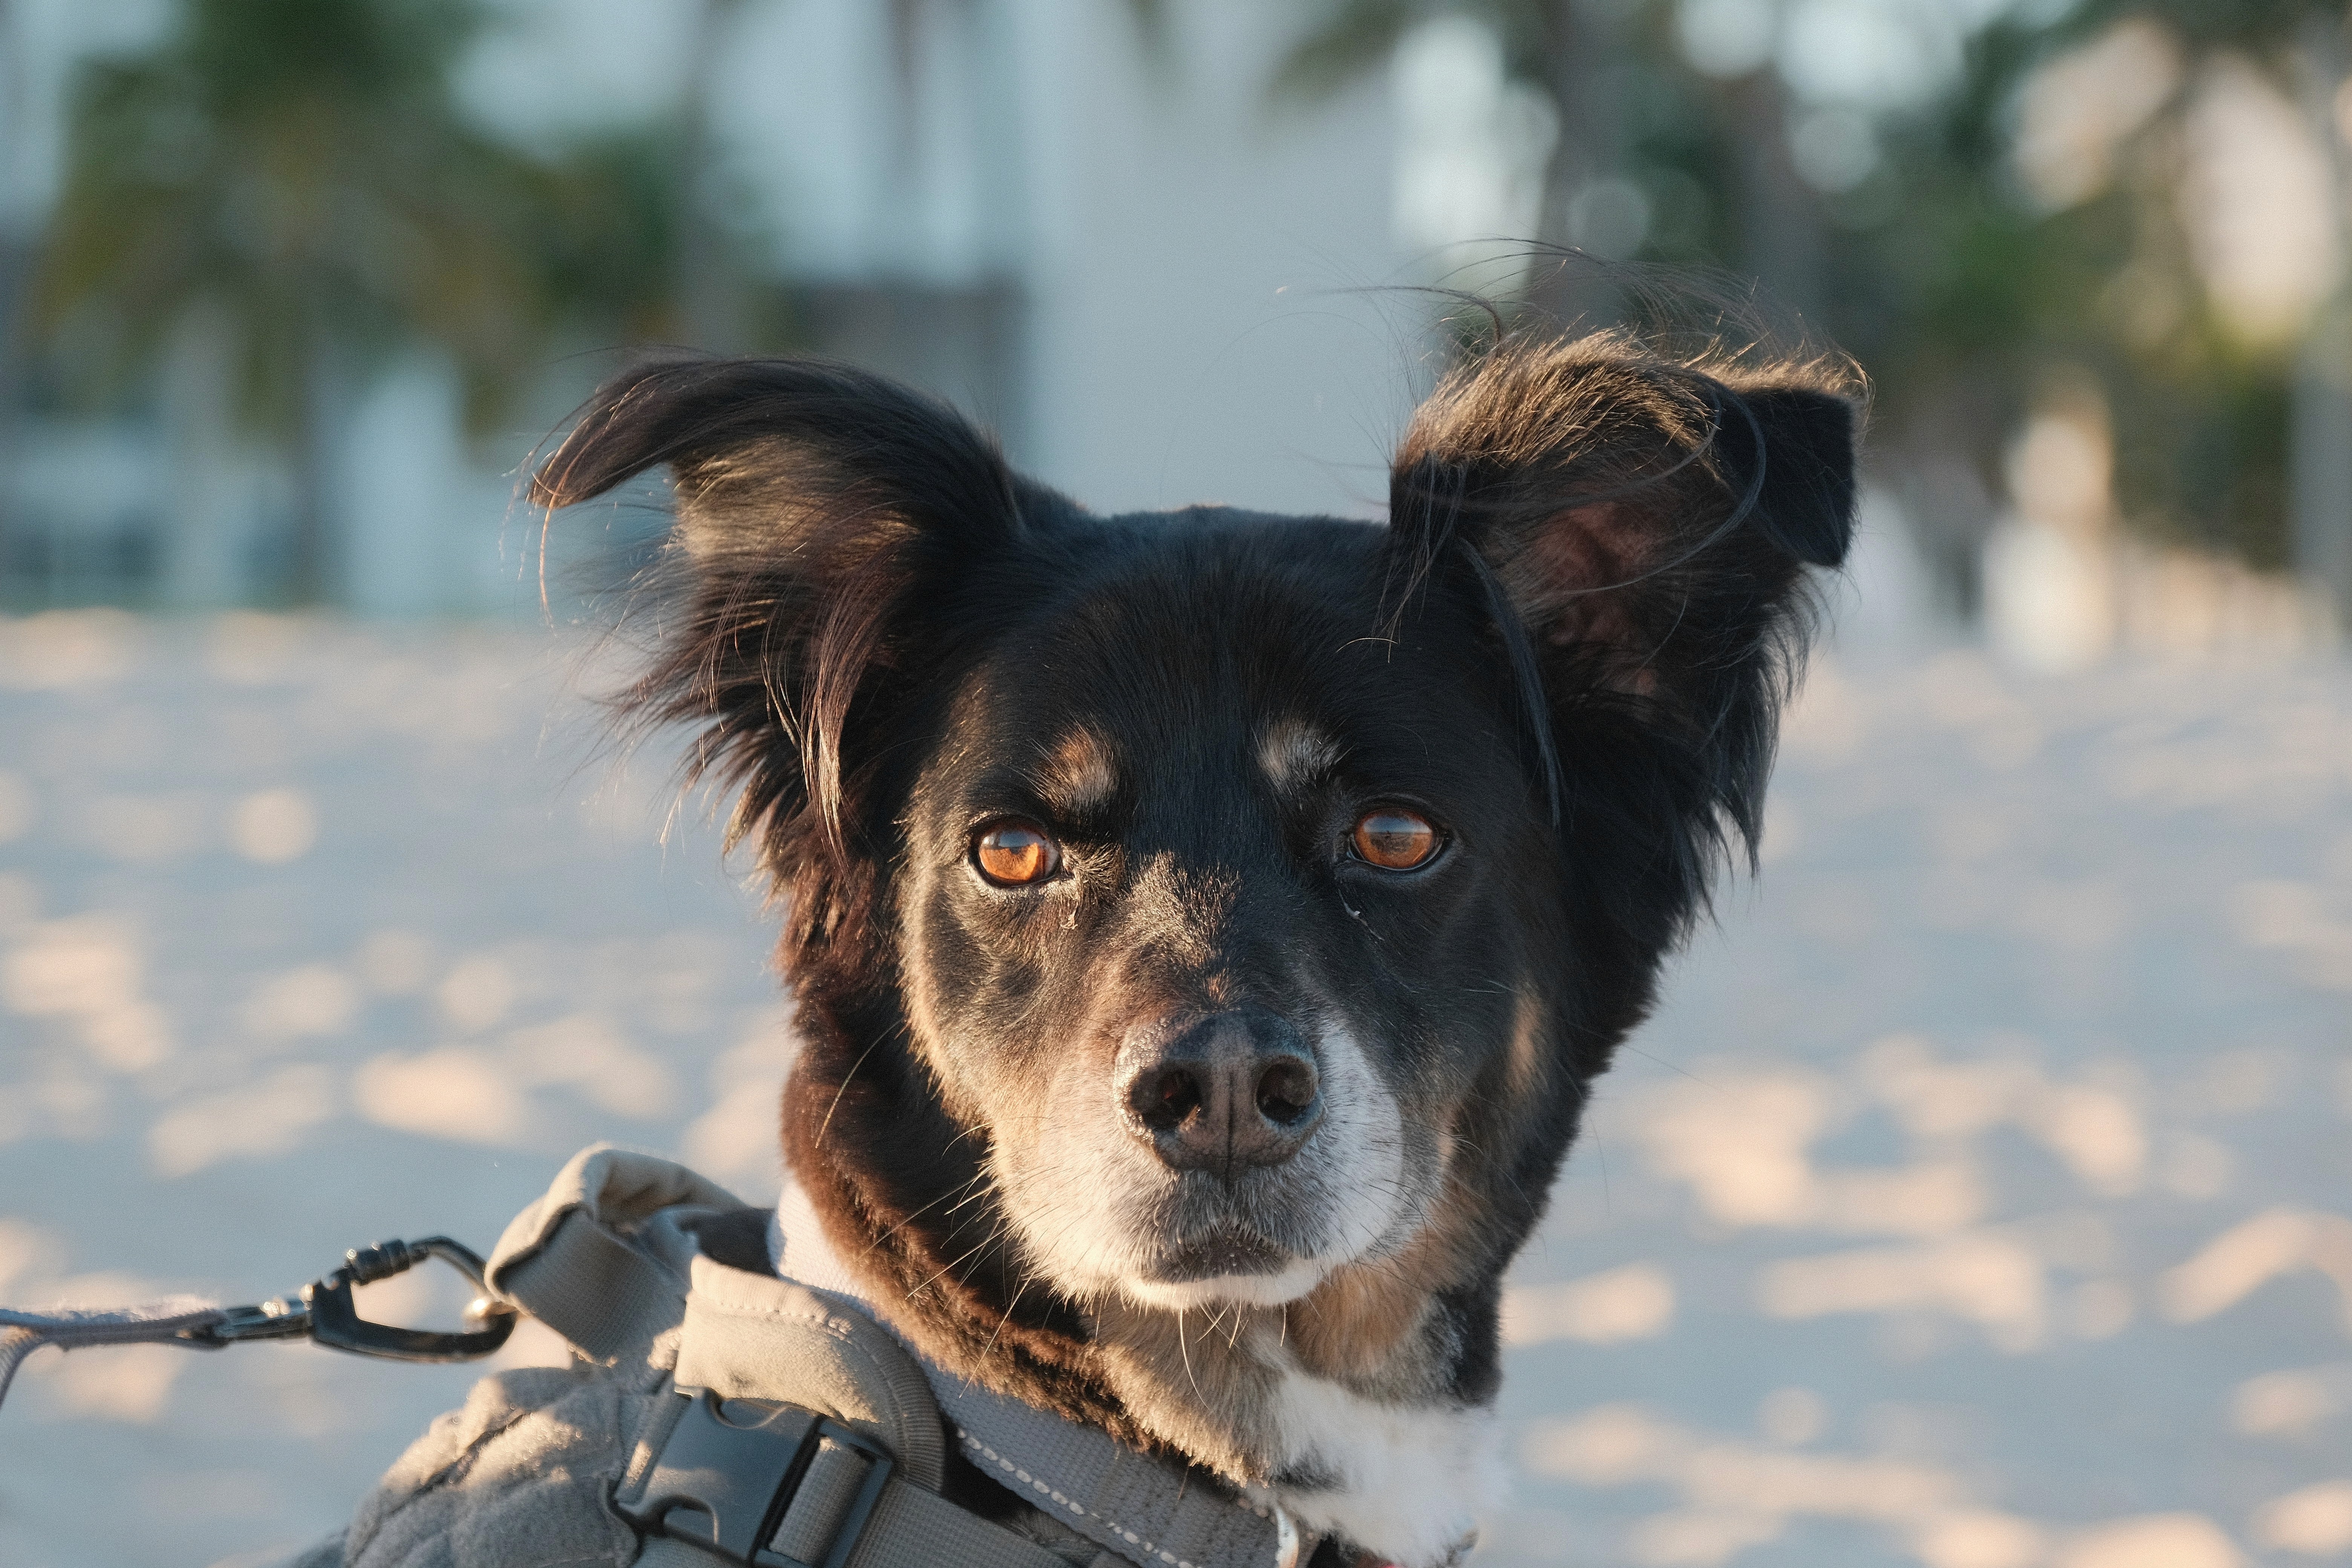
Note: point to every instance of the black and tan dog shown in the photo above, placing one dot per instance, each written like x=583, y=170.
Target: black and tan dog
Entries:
x=1204, y=926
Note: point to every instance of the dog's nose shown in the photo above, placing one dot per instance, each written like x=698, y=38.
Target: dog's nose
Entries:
x=1225, y=1092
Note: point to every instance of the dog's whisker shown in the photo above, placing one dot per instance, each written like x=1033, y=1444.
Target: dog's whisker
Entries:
x=949, y=1267
x=889, y=1231
x=826, y=1125
x=1009, y=1307
x=1184, y=1350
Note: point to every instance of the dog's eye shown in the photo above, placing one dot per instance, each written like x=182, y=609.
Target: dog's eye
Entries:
x=1395, y=839
x=1013, y=853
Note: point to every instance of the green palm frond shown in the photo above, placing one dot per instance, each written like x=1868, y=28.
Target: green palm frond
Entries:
x=1350, y=40
x=302, y=166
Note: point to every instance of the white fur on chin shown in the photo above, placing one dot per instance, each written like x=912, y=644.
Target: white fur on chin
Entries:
x=1288, y=1283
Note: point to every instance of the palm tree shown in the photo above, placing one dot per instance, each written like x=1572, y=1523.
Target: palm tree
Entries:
x=13, y=126
x=2228, y=435
x=300, y=169
x=2300, y=46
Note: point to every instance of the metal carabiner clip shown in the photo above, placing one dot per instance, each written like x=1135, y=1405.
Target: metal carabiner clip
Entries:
x=324, y=1309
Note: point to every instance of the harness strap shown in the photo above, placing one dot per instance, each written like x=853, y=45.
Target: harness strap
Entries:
x=798, y=1435
x=913, y=1526
x=1147, y=1510
x=602, y=1258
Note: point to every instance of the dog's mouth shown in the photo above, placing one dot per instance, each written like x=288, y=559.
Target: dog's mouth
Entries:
x=1226, y=1252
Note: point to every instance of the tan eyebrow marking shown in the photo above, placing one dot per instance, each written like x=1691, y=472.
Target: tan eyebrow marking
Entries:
x=1295, y=753
x=1077, y=774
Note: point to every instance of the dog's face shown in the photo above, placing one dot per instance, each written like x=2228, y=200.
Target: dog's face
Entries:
x=1209, y=907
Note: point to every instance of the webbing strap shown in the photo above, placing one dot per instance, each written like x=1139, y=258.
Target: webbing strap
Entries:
x=594, y=1288
x=565, y=1261
x=910, y=1529
x=913, y=1526
x=1146, y=1509
x=76, y=1328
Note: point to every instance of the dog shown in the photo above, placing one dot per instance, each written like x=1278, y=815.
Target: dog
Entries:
x=1205, y=926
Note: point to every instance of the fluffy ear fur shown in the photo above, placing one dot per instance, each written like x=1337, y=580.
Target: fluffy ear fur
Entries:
x=815, y=504
x=1639, y=525
x=822, y=515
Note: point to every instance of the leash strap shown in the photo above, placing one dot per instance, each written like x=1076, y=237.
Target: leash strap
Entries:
x=174, y=1320
x=321, y=1310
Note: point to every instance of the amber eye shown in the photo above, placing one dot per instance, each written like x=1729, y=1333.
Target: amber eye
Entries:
x=1395, y=839
x=1013, y=853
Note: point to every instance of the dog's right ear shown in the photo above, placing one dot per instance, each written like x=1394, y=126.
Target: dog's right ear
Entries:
x=815, y=503
x=1642, y=525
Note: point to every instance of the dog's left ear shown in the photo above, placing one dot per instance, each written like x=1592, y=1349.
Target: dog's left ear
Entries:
x=820, y=509
x=1641, y=527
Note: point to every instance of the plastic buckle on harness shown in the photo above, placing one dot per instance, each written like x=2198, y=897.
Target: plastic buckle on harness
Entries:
x=732, y=1470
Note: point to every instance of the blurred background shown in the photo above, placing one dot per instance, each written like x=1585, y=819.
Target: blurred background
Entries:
x=1978, y=1197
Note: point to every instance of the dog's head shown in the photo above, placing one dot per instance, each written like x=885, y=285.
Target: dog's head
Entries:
x=1188, y=908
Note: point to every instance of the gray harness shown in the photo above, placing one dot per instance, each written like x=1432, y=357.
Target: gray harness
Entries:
x=713, y=1414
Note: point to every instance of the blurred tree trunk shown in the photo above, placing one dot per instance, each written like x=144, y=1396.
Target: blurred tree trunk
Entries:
x=2321, y=462
x=318, y=435
x=1577, y=40
x=207, y=546
x=2319, y=457
x=1779, y=215
x=709, y=296
x=15, y=258
x=1573, y=70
